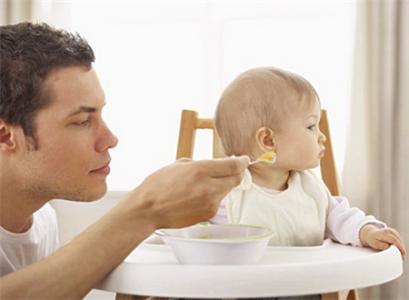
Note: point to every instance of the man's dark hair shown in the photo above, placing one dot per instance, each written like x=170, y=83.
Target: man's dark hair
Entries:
x=28, y=53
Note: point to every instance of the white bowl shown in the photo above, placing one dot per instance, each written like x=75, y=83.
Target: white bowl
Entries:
x=213, y=244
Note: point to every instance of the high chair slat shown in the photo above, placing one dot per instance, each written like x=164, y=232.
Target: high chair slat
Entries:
x=187, y=134
x=328, y=169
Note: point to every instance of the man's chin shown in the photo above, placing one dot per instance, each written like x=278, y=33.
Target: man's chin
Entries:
x=84, y=195
x=95, y=196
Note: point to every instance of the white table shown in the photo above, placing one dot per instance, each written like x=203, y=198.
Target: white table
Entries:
x=152, y=269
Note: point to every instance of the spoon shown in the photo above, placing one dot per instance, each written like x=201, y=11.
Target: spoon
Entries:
x=267, y=158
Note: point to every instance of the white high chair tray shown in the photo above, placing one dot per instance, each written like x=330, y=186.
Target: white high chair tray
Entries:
x=152, y=269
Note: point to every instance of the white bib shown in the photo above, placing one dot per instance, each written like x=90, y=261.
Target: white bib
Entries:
x=297, y=215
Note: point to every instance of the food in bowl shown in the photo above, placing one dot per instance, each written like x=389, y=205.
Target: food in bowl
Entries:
x=213, y=244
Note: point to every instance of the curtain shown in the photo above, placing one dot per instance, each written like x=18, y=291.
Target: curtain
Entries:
x=376, y=171
x=13, y=11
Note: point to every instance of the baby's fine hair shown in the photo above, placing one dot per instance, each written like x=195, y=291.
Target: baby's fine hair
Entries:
x=259, y=97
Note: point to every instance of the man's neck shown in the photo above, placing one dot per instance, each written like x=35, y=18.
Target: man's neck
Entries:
x=17, y=206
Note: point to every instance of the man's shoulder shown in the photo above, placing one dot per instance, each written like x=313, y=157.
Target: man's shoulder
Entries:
x=46, y=210
x=45, y=219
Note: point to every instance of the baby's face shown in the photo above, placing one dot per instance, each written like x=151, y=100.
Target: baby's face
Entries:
x=300, y=144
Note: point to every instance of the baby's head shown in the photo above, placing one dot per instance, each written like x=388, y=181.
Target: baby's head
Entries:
x=261, y=98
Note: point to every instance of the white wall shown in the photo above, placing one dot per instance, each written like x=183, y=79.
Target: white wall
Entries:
x=74, y=217
x=156, y=57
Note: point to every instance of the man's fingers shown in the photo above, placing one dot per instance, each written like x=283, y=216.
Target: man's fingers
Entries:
x=222, y=184
x=184, y=159
x=224, y=167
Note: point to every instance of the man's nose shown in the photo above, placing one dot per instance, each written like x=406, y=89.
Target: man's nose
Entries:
x=107, y=139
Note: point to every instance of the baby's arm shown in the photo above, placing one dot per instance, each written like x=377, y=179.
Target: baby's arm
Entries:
x=344, y=222
x=221, y=215
x=350, y=225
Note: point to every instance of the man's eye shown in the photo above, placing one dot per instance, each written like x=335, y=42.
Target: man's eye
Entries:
x=83, y=123
x=311, y=127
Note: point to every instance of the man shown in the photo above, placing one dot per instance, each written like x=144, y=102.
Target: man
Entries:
x=55, y=144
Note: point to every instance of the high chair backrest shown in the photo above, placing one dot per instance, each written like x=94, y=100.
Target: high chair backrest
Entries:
x=190, y=122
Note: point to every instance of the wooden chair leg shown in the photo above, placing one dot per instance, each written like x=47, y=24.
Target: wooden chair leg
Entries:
x=353, y=295
x=341, y=295
x=128, y=297
x=330, y=296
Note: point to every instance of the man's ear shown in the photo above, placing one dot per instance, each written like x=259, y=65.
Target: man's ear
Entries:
x=265, y=139
x=7, y=137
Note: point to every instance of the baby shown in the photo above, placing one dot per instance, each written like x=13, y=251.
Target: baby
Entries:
x=268, y=109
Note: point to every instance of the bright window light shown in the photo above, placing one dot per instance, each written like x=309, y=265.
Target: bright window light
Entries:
x=155, y=58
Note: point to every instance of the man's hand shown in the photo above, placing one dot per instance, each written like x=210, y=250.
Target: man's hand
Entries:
x=187, y=192
x=381, y=238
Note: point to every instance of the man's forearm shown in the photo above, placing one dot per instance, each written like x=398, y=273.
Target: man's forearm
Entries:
x=72, y=271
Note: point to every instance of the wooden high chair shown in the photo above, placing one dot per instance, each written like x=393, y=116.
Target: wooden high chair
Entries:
x=190, y=122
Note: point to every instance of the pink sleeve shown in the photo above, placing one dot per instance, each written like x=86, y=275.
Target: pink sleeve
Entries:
x=221, y=215
x=344, y=222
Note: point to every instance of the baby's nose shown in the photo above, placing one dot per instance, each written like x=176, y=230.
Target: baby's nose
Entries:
x=322, y=139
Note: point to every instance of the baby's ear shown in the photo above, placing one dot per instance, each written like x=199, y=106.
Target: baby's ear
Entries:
x=265, y=139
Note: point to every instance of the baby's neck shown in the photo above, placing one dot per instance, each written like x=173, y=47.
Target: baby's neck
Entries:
x=276, y=179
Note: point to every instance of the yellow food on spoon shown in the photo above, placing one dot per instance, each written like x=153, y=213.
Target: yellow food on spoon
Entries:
x=267, y=157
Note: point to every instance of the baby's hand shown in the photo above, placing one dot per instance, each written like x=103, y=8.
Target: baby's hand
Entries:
x=381, y=238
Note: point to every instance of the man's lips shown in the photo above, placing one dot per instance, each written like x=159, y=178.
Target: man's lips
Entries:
x=105, y=169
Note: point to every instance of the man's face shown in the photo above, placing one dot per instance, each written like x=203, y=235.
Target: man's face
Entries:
x=72, y=159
